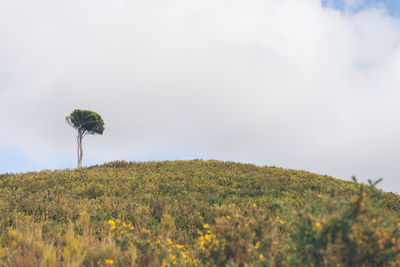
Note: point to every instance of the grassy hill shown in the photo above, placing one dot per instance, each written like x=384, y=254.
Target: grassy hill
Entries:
x=194, y=213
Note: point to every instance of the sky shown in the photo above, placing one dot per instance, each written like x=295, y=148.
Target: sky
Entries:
x=391, y=7
x=299, y=84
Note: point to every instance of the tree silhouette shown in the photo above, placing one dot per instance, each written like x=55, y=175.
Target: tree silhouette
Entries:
x=85, y=122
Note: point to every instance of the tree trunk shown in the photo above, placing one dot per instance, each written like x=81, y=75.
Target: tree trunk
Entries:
x=80, y=151
x=81, y=156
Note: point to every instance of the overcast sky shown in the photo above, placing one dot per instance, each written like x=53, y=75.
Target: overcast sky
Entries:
x=300, y=84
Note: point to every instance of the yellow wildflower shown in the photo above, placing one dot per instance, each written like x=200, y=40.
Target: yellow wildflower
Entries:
x=318, y=226
x=170, y=241
x=111, y=223
x=206, y=226
x=180, y=246
x=108, y=261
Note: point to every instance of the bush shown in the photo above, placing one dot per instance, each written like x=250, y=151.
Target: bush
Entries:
x=196, y=213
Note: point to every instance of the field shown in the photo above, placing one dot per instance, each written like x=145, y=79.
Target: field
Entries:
x=194, y=213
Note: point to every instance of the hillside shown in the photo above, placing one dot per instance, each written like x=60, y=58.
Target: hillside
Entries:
x=194, y=213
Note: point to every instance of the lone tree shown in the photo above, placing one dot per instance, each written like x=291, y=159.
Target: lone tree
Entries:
x=85, y=122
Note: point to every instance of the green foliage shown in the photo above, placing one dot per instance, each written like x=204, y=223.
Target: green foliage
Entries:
x=194, y=213
x=350, y=232
x=87, y=121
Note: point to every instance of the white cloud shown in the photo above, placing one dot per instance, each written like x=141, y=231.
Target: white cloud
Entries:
x=285, y=83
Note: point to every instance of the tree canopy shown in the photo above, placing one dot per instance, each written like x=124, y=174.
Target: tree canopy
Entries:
x=87, y=121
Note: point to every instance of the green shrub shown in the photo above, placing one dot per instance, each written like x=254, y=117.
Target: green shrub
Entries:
x=194, y=213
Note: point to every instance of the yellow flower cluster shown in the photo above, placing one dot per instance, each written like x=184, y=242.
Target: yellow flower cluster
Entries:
x=113, y=224
x=175, y=254
x=209, y=239
x=109, y=262
x=318, y=226
x=127, y=225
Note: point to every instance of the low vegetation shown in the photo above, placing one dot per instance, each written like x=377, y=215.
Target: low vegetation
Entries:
x=194, y=213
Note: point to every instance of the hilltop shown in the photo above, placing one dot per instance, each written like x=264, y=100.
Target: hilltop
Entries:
x=193, y=213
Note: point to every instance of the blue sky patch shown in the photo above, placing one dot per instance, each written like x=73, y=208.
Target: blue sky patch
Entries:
x=13, y=160
x=391, y=6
